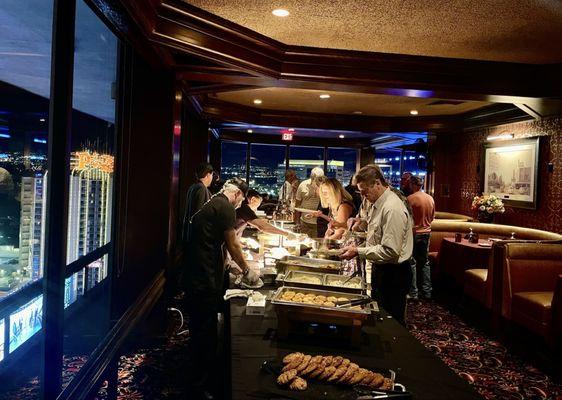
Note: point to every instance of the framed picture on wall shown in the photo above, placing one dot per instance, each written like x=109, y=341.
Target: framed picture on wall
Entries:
x=511, y=171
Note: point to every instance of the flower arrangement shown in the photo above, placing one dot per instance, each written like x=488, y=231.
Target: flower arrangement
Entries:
x=487, y=205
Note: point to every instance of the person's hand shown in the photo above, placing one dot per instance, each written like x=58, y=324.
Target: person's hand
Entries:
x=352, y=222
x=329, y=232
x=348, y=252
x=251, y=277
x=313, y=214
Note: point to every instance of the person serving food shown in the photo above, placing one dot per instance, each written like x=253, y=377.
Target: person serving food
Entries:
x=390, y=242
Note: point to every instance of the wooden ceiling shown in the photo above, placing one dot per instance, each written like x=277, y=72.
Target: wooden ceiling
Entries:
x=223, y=64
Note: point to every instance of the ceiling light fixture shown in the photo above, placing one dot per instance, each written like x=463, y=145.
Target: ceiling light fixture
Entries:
x=413, y=112
x=280, y=12
x=341, y=136
x=500, y=136
x=257, y=101
x=357, y=112
x=250, y=131
x=41, y=119
x=324, y=96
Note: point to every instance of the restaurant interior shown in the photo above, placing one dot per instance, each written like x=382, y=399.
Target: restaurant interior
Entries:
x=108, y=108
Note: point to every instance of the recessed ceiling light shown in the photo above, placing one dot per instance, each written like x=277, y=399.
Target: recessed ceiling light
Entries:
x=324, y=96
x=291, y=129
x=341, y=136
x=249, y=131
x=413, y=112
x=280, y=12
x=257, y=101
x=357, y=112
x=41, y=119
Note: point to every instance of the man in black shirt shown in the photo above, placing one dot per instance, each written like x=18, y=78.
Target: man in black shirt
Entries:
x=211, y=230
x=198, y=193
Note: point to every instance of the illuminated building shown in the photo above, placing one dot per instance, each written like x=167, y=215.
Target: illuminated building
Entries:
x=32, y=226
x=89, y=214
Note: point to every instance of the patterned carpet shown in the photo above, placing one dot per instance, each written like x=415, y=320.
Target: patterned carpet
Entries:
x=157, y=372
x=485, y=363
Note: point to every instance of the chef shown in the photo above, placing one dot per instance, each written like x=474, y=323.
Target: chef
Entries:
x=246, y=215
x=390, y=242
x=212, y=230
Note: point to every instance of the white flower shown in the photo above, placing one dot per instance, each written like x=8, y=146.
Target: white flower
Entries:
x=482, y=208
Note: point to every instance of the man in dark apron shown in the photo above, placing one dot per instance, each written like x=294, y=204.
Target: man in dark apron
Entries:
x=211, y=231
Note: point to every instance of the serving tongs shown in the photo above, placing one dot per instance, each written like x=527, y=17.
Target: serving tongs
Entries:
x=353, y=303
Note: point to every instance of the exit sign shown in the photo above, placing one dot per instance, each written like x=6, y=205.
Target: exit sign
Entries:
x=287, y=136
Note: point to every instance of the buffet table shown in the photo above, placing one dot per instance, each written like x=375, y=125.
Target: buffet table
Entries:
x=385, y=345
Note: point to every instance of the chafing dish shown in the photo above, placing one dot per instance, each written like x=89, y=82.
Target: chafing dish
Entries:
x=304, y=279
x=291, y=315
x=354, y=284
x=323, y=281
x=295, y=263
x=352, y=312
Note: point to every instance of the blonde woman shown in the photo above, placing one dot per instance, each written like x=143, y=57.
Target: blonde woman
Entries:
x=339, y=201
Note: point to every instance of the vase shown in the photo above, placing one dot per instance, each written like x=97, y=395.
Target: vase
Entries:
x=485, y=217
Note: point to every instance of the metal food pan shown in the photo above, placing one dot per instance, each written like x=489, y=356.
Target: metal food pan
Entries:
x=295, y=278
x=321, y=309
x=330, y=283
x=297, y=263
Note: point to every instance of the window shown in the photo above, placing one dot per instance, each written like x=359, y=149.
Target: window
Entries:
x=267, y=168
x=415, y=163
x=302, y=159
x=25, y=65
x=23, y=146
x=233, y=161
x=342, y=164
x=91, y=174
x=389, y=162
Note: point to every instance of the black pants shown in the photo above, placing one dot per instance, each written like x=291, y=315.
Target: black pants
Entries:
x=203, y=343
x=391, y=283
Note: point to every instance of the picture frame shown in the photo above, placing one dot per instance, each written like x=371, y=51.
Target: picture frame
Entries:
x=511, y=171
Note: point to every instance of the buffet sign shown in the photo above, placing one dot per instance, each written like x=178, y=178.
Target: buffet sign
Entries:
x=511, y=171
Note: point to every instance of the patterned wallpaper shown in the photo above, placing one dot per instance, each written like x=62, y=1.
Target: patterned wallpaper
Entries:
x=457, y=159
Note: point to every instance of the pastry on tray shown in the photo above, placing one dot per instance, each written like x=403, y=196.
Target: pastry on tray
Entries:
x=332, y=369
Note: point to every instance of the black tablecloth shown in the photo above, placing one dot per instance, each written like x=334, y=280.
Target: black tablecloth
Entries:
x=386, y=345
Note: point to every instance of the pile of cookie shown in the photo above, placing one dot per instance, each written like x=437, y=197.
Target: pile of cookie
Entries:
x=311, y=298
x=334, y=369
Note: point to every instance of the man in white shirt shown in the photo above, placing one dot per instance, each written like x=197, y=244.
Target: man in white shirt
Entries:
x=288, y=190
x=390, y=242
x=307, y=197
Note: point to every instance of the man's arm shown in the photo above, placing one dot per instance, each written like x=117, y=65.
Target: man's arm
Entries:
x=235, y=249
x=199, y=198
x=393, y=236
x=265, y=226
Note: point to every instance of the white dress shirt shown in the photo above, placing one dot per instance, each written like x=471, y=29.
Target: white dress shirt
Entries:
x=390, y=238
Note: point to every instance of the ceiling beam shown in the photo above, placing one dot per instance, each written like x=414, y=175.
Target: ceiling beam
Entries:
x=216, y=110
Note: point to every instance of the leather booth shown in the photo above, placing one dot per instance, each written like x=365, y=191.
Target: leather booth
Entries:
x=452, y=216
x=532, y=287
